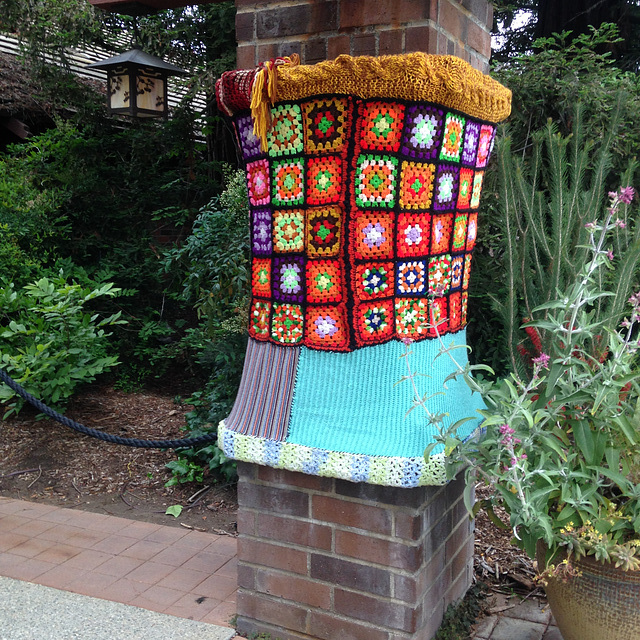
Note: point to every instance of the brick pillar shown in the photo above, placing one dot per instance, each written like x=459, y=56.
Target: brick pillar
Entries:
x=323, y=29
x=330, y=559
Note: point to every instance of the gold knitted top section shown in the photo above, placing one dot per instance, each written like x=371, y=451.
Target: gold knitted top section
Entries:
x=446, y=80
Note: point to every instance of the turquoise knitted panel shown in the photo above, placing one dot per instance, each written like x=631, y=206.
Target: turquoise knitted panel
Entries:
x=349, y=402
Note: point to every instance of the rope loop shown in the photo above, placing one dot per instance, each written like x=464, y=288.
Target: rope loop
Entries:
x=101, y=435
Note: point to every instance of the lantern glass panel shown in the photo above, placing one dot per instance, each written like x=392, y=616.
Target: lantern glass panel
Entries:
x=150, y=92
x=119, y=92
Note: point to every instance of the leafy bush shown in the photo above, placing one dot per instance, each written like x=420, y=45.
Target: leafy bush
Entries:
x=215, y=260
x=50, y=341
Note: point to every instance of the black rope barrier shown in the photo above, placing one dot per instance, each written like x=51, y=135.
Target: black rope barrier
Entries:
x=101, y=435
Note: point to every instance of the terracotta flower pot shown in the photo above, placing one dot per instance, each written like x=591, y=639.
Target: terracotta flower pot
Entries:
x=601, y=603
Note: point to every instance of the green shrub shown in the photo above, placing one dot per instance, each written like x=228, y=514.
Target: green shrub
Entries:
x=50, y=340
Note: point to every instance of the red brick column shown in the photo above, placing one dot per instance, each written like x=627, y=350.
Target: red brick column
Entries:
x=323, y=29
x=334, y=560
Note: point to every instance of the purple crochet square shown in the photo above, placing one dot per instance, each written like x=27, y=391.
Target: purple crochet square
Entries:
x=422, y=131
x=249, y=143
x=471, y=136
x=287, y=279
x=446, y=187
x=261, y=232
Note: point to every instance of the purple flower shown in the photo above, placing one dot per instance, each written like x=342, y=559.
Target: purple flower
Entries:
x=610, y=254
x=542, y=360
x=627, y=194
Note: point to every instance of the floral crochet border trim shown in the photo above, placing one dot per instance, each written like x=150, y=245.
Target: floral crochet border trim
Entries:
x=380, y=470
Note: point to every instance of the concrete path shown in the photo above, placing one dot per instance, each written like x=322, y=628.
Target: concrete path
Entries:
x=70, y=574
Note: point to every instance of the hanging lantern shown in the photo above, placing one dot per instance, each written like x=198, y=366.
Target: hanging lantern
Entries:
x=137, y=83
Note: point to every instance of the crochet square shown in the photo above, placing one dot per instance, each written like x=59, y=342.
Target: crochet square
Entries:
x=324, y=231
x=376, y=181
x=442, y=229
x=381, y=125
x=325, y=123
x=460, y=232
x=324, y=180
x=288, y=231
x=472, y=231
x=457, y=269
x=413, y=234
x=258, y=182
x=412, y=317
x=411, y=278
x=324, y=281
x=261, y=277
x=476, y=189
x=287, y=323
x=288, y=181
x=285, y=135
x=261, y=232
x=463, y=314
x=374, y=322
x=485, y=145
x=249, y=143
x=470, y=146
x=326, y=328
x=259, y=319
x=373, y=280
x=467, y=271
x=440, y=274
x=438, y=320
x=446, y=187
x=372, y=236
x=466, y=185
x=452, y=138
x=422, y=132
x=455, y=311
x=287, y=279
x=416, y=185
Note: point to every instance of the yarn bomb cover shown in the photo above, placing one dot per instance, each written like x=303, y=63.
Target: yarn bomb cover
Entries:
x=364, y=217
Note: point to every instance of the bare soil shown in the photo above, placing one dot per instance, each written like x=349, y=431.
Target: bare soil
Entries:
x=43, y=461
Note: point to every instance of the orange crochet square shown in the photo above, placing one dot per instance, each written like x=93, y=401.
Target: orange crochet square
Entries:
x=441, y=230
x=261, y=277
x=288, y=231
x=324, y=281
x=381, y=125
x=460, y=232
x=416, y=185
x=287, y=323
x=287, y=182
x=372, y=236
x=452, y=138
x=472, y=231
x=324, y=180
x=466, y=186
x=467, y=271
x=326, y=328
x=455, y=311
x=413, y=235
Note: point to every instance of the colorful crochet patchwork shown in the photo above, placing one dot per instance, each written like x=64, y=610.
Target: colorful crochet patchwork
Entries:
x=359, y=200
x=364, y=214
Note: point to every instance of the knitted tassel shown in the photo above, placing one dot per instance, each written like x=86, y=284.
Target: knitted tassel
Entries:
x=264, y=93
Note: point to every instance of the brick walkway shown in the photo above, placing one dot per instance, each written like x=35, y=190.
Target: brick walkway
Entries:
x=166, y=569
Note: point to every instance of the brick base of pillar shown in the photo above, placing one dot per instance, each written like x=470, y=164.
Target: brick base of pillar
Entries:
x=329, y=559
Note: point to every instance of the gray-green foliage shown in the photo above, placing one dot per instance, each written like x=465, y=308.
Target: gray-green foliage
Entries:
x=50, y=340
x=544, y=204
